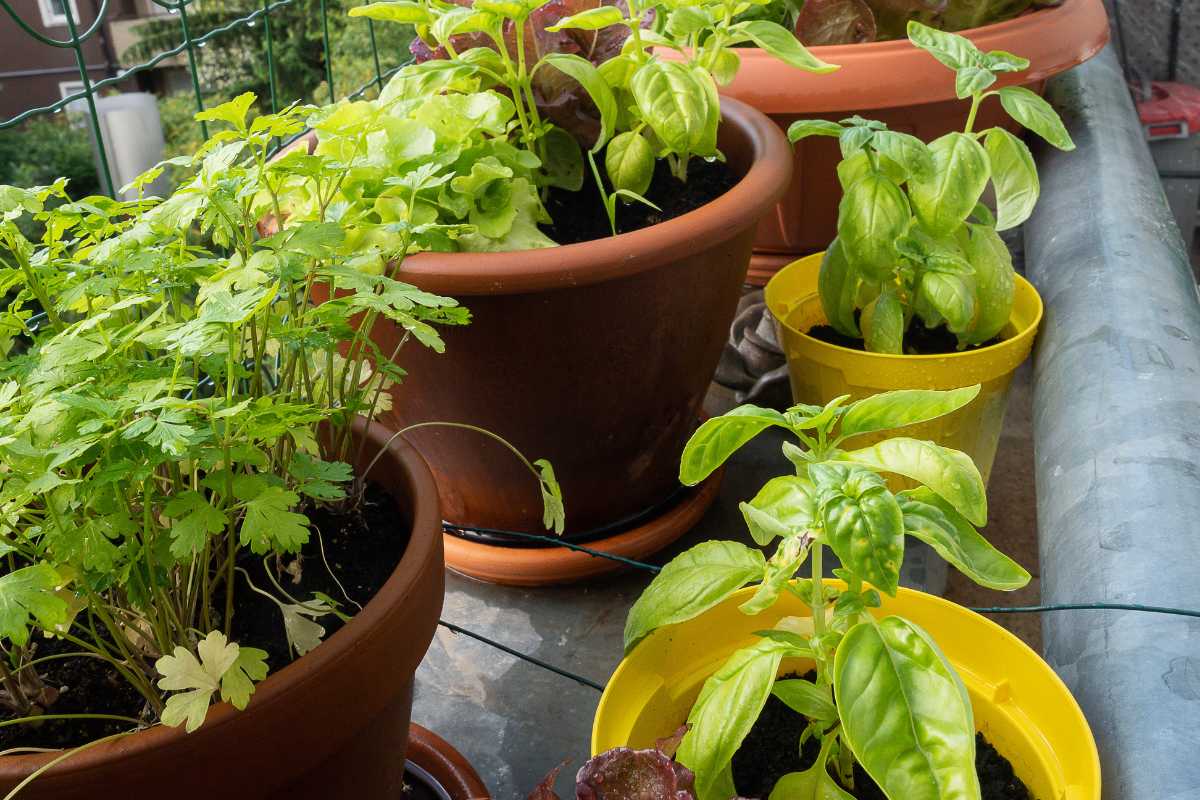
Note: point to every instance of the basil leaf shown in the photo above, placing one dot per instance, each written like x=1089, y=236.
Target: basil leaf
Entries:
x=397, y=11
x=872, y=214
x=725, y=67
x=949, y=473
x=902, y=407
x=805, y=697
x=951, y=296
x=955, y=51
x=780, y=43
x=1003, y=61
x=864, y=525
x=593, y=19
x=969, y=80
x=803, y=128
x=932, y=520
x=684, y=21
x=729, y=704
x=883, y=323
x=673, y=103
x=781, y=568
x=597, y=88
x=690, y=584
x=564, y=160
x=1027, y=108
x=905, y=713
x=629, y=162
x=995, y=284
x=1015, y=177
x=813, y=783
x=961, y=172
x=785, y=506
x=837, y=284
x=718, y=438
x=906, y=150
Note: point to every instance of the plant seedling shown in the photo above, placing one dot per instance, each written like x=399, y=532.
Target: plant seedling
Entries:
x=884, y=695
x=914, y=240
x=172, y=400
x=576, y=75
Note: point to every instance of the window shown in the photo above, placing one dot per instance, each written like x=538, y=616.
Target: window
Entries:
x=54, y=13
x=68, y=88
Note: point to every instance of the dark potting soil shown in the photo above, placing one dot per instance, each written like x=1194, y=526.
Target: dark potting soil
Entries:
x=415, y=788
x=918, y=339
x=580, y=216
x=769, y=752
x=362, y=547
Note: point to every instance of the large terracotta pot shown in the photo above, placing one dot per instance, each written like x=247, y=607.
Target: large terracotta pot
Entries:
x=900, y=85
x=333, y=724
x=596, y=356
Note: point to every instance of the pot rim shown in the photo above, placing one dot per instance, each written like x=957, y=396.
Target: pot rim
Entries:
x=1010, y=347
x=954, y=615
x=984, y=36
x=422, y=553
x=895, y=74
x=613, y=257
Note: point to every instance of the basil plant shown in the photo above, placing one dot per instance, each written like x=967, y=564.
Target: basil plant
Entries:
x=884, y=695
x=914, y=240
x=563, y=86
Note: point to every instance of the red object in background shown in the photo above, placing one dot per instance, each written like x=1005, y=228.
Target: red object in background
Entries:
x=1172, y=112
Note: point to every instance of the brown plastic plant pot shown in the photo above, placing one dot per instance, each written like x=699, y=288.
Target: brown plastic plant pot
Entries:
x=596, y=356
x=897, y=84
x=444, y=771
x=333, y=724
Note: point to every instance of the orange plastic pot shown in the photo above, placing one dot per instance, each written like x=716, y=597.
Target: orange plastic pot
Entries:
x=900, y=85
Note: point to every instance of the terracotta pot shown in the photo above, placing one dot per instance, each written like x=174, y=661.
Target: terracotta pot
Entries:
x=595, y=356
x=333, y=724
x=438, y=763
x=900, y=85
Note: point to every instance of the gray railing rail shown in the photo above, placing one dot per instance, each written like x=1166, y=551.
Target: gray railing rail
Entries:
x=1117, y=436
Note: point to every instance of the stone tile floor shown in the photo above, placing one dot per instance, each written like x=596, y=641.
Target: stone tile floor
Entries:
x=515, y=721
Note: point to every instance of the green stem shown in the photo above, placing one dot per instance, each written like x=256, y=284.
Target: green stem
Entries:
x=976, y=100
x=55, y=761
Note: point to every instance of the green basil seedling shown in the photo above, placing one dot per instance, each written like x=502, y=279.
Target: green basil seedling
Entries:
x=884, y=696
x=552, y=67
x=913, y=238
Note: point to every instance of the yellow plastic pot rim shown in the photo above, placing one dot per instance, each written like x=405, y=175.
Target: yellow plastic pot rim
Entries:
x=780, y=306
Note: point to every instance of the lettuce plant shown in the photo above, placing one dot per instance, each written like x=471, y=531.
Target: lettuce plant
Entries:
x=824, y=22
x=884, y=695
x=623, y=773
x=913, y=238
x=576, y=75
x=172, y=400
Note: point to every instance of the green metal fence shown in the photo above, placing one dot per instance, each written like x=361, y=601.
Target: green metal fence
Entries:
x=188, y=46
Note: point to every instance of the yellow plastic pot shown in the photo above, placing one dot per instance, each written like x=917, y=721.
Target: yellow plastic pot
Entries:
x=1020, y=704
x=820, y=372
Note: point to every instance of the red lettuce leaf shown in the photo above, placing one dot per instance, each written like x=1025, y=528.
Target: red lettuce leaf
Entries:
x=835, y=22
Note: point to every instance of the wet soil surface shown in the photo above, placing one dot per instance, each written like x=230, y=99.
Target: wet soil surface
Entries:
x=580, y=216
x=918, y=340
x=362, y=548
x=770, y=752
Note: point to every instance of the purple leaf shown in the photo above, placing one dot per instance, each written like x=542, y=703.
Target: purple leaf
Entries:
x=835, y=22
x=626, y=774
x=545, y=789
